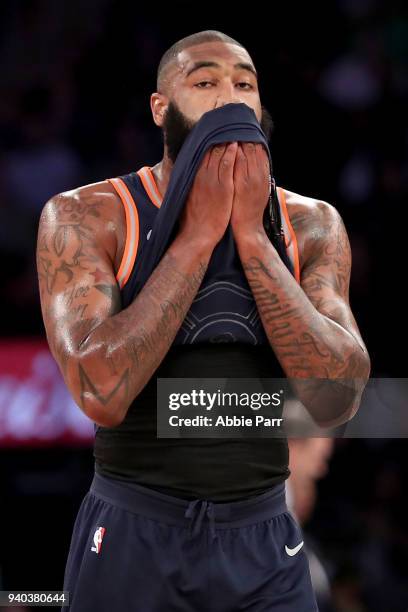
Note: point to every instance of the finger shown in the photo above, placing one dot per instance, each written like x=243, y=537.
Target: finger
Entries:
x=249, y=150
x=263, y=160
x=226, y=166
x=265, y=167
x=241, y=164
x=206, y=159
x=216, y=153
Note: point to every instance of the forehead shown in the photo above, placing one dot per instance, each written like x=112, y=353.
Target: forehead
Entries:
x=220, y=52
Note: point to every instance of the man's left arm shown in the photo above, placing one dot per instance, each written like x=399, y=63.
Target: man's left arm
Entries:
x=309, y=326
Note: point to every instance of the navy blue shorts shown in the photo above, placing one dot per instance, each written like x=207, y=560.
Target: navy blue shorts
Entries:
x=134, y=549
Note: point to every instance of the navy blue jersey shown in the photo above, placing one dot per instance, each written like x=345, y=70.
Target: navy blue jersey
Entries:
x=224, y=308
x=221, y=336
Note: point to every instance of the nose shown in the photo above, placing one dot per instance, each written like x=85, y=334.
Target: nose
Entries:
x=228, y=95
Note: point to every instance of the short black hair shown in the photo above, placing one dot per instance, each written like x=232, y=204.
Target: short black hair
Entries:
x=190, y=41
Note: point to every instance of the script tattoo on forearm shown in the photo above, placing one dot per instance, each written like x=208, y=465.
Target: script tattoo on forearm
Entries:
x=133, y=349
x=297, y=333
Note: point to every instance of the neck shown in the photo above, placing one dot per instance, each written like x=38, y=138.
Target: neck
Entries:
x=162, y=172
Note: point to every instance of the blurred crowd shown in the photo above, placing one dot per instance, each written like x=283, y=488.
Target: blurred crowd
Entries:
x=74, y=109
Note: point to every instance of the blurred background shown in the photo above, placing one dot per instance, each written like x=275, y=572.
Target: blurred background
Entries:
x=76, y=78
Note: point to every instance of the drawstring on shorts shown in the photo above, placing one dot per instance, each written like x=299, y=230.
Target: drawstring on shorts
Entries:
x=196, y=518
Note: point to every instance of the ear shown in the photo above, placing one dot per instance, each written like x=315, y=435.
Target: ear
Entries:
x=158, y=104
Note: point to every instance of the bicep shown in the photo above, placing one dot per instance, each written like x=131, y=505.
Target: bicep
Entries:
x=77, y=283
x=325, y=278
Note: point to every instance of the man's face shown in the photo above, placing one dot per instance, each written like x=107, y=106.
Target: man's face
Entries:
x=205, y=77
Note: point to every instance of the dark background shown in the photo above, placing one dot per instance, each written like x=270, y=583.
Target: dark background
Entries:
x=76, y=78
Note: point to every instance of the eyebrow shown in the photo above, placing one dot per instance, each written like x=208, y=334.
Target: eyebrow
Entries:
x=208, y=64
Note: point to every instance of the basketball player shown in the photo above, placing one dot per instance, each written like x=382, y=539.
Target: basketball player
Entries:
x=179, y=524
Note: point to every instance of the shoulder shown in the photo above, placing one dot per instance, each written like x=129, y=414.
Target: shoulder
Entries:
x=95, y=206
x=314, y=221
x=304, y=210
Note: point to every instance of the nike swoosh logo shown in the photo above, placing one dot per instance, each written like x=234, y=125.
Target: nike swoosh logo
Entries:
x=148, y=234
x=293, y=551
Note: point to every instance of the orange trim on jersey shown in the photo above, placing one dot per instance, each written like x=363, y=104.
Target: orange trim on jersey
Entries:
x=155, y=187
x=132, y=231
x=293, y=241
x=147, y=178
x=287, y=241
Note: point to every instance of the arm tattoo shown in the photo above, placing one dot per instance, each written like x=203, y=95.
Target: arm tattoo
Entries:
x=68, y=248
x=308, y=343
x=89, y=390
x=136, y=339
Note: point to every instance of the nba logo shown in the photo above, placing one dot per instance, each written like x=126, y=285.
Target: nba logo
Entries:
x=98, y=537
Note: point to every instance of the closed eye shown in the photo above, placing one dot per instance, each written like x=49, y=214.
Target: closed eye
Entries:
x=203, y=85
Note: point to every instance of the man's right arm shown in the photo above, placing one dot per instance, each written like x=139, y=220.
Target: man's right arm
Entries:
x=106, y=354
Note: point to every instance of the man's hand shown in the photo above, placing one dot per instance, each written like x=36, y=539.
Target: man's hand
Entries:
x=208, y=208
x=251, y=190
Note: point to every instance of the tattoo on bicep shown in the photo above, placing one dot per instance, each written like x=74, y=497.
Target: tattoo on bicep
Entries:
x=68, y=247
x=113, y=293
x=77, y=209
x=75, y=292
x=331, y=264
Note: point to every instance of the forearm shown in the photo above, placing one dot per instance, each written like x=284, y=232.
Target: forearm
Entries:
x=308, y=344
x=116, y=359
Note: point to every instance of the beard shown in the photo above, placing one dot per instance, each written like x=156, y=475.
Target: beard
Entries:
x=176, y=127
